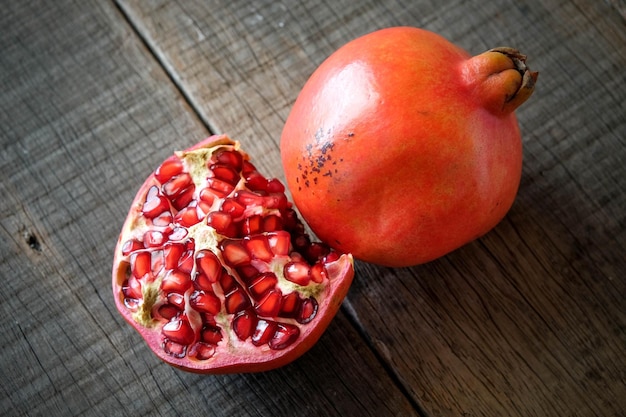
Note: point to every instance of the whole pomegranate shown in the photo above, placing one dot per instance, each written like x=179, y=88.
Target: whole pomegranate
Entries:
x=213, y=267
x=401, y=147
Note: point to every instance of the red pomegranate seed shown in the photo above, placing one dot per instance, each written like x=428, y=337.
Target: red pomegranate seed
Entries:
x=247, y=273
x=132, y=288
x=184, y=198
x=264, y=331
x=168, y=311
x=263, y=284
x=228, y=283
x=169, y=168
x=236, y=301
x=252, y=225
x=221, y=222
x=185, y=263
x=174, y=349
x=249, y=198
x=176, y=281
x=225, y=173
x=272, y=223
x=179, y=330
x=163, y=219
x=256, y=182
x=234, y=254
x=211, y=334
x=178, y=233
x=155, y=203
x=308, y=310
x=203, y=351
x=219, y=187
x=207, y=196
x=141, y=263
x=176, y=185
x=290, y=305
x=230, y=158
x=130, y=246
x=247, y=168
x=188, y=216
x=279, y=242
x=209, y=265
x=205, y=302
x=244, y=324
x=298, y=273
x=269, y=306
x=276, y=201
x=154, y=238
x=318, y=273
x=275, y=186
x=172, y=253
x=258, y=247
x=284, y=336
x=177, y=300
x=232, y=207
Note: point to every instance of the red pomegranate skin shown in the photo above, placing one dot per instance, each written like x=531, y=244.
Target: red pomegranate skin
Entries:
x=401, y=147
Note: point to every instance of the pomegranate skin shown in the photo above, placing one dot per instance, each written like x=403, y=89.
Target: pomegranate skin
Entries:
x=401, y=147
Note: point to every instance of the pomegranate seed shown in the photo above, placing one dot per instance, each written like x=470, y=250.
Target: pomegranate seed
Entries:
x=331, y=257
x=232, y=207
x=249, y=198
x=172, y=253
x=252, y=225
x=263, y=284
x=234, y=254
x=236, y=301
x=205, y=302
x=202, y=351
x=221, y=222
x=211, y=334
x=269, y=306
x=176, y=281
x=230, y=158
x=244, y=324
x=184, y=198
x=225, y=173
x=275, y=186
x=174, y=349
x=264, y=331
x=176, y=185
x=177, y=300
x=155, y=203
x=247, y=273
x=284, y=336
x=276, y=201
x=131, y=288
x=258, y=247
x=298, y=273
x=141, y=263
x=318, y=273
x=209, y=265
x=290, y=305
x=228, y=283
x=316, y=251
x=131, y=245
x=247, y=168
x=207, y=196
x=308, y=310
x=163, y=219
x=168, y=311
x=131, y=303
x=256, y=182
x=279, y=242
x=154, y=238
x=178, y=233
x=220, y=188
x=187, y=217
x=169, y=168
x=179, y=330
x=185, y=263
x=272, y=223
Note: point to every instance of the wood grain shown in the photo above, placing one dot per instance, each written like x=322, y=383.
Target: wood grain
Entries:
x=527, y=321
x=86, y=112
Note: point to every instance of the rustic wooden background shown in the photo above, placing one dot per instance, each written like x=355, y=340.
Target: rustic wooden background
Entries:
x=528, y=321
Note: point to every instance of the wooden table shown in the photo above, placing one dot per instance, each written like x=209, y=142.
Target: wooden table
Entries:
x=529, y=320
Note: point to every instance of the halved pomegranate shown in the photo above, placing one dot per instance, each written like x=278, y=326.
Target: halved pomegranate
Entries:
x=214, y=269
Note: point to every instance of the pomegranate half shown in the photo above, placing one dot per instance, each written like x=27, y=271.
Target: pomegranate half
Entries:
x=213, y=267
x=401, y=147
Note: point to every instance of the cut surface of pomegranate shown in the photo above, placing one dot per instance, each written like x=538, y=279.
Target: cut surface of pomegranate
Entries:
x=214, y=269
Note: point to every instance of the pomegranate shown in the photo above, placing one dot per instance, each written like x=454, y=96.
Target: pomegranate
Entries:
x=401, y=147
x=214, y=269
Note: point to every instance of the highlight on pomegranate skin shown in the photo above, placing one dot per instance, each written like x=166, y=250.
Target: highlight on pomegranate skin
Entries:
x=214, y=269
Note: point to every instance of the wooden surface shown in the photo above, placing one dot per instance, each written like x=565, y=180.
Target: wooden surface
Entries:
x=527, y=321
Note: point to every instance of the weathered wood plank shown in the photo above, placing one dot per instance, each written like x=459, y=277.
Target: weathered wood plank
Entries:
x=86, y=112
x=527, y=321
